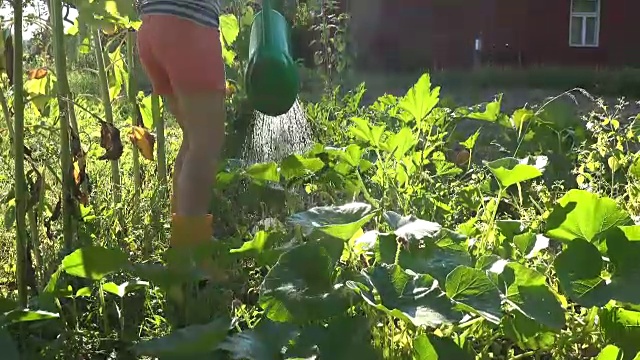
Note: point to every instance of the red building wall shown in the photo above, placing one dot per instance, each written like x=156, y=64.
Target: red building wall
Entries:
x=421, y=34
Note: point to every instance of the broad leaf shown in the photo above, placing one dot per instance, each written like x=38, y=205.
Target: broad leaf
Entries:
x=431, y=259
x=300, y=287
x=611, y=352
x=473, y=288
x=263, y=342
x=420, y=99
x=340, y=222
x=527, y=289
x=410, y=296
x=431, y=347
x=20, y=315
x=491, y=112
x=297, y=166
x=265, y=247
x=528, y=333
x=195, y=340
x=620, y=327
x=579, y=269
x=510, y=171
x=343, y=338
x=264, y=171
x=580, y=214
x=94, y=262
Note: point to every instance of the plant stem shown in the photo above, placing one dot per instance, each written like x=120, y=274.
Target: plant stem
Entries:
x=133, y=103
x=158, y=121
x=6, y=113
x=108, y=113
x=18, y=146
x=65, y=151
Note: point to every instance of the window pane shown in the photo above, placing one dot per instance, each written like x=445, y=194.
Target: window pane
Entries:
x=592, y=31
x=585, y=5
x=576, y=30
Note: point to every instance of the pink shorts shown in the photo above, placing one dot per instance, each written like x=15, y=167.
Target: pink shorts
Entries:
x=180, y=55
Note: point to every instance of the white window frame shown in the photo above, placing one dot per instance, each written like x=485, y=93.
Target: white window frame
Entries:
x=585, y=16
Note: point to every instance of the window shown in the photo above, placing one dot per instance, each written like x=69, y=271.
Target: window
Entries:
x=584, y=27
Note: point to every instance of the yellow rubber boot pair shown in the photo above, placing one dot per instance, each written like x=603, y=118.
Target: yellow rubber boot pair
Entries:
x=193, y=232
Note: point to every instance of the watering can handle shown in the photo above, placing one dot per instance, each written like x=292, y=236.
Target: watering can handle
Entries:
x=266, y=20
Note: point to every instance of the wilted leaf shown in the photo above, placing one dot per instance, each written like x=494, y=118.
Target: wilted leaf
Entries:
x=110, y=141
x=143, y=140
x=37, y=73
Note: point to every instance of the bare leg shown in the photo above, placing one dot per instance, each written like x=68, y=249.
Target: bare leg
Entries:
x=172, y=104
x=204, y=128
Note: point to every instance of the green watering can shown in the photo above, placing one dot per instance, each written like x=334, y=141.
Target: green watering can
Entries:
x=271, y=77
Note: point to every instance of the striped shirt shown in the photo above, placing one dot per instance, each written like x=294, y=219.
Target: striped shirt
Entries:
x=203, y=12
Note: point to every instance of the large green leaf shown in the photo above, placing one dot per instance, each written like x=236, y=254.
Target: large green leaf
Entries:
x=297, y=166
x=611, y=352
x=265, y=247
x=411, y=228
x=264, y=171
x=473, y=288
x=263, y=342
x=341, y=222
x=527, y=289
x=621, y=328
x=420, y=99
x=398, y=144
x=300, y=286
x=94, y=262
x=432, y=259
x=579, y=269
x=410, y=296
x=186, y=343
x=490, y=113
x=528, y=333
x=510, y=171
x=623, y=250
x=580, y=214
x=343, y=338
x=431, y=347
x=25, y=315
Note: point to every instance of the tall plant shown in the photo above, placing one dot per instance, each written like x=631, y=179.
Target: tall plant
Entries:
x=18, y=146
x=116, y=190
x=64, y=97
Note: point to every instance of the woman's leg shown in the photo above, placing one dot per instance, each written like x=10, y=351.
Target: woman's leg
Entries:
x=172, y=105
x=191, y=57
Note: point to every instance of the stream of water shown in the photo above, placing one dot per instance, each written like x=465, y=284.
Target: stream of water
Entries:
x=275, y=137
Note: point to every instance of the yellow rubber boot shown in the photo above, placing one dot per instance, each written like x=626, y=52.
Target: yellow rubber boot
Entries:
x=191, y=232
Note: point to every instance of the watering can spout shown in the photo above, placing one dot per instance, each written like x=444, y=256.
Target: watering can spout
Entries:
x=271, y=76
